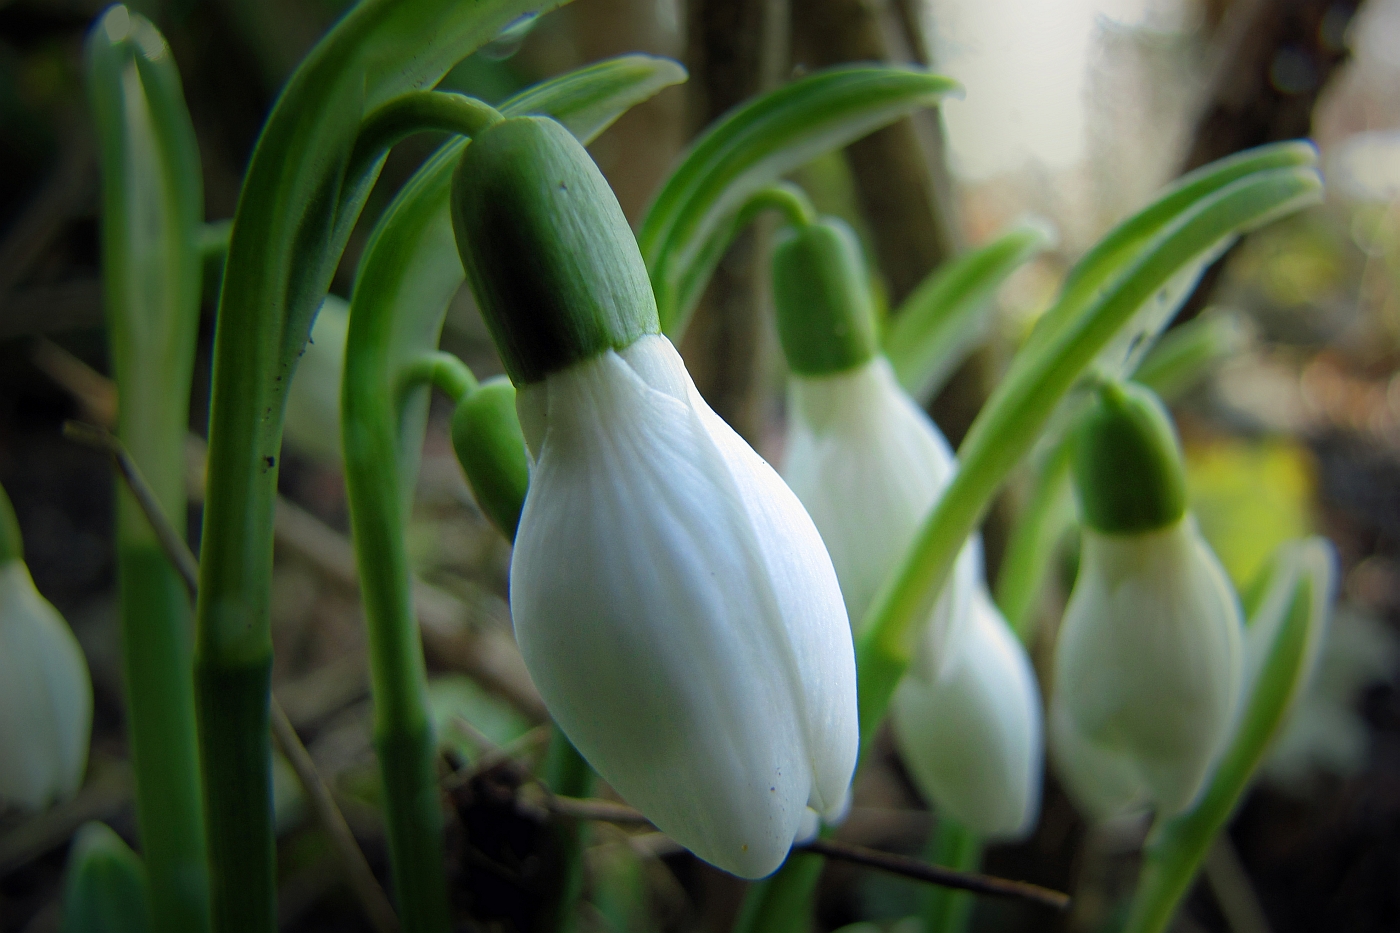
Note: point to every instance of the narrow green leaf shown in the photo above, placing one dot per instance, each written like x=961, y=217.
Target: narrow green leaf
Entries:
x=1186, y=353
x=1040, y=377
x=105, y=887
x=152, y=267
x=945, y=316
x=751, y=147
x=1099, y=268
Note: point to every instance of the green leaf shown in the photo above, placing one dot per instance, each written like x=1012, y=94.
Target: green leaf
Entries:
x=105, y=887
x=1283, y=643
x=944, y=317
x=1186, y=353
x=1101, y=268
x=692, y=219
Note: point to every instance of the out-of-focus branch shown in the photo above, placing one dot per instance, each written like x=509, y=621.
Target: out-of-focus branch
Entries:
x=1270, y=62
x=899, y=172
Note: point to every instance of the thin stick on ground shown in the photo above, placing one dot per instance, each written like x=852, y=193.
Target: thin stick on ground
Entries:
x=904, y=866
x=358, y=874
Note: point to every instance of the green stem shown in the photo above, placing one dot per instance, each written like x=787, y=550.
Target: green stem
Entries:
x=11, y=544
x=952, y=845
x=1030, y=554
x=568, y=775
x=152, y=211
x=783, y=902
x=441, y=370
x=417, y=112
x=784, y=197
x=295, y=213
x=403, y=729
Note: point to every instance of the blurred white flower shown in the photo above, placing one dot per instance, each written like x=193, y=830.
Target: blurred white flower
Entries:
x=1148, y=668
x=45, y=696
x=312, y=424
x=678, y=612
x=869, y=464
x=972, y=734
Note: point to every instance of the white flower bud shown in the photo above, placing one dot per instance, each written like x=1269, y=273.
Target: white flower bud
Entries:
x=972, y=734
x=676, y=608
x=45, y=696
x=1148, y=668
x=869, y=465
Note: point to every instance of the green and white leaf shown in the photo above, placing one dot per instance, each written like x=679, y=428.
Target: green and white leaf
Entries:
x=945, y=317
x=692, y=219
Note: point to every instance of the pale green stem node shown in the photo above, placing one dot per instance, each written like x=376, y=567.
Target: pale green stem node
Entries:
x=1127, y=463
x=547, y=250
x=821, y=293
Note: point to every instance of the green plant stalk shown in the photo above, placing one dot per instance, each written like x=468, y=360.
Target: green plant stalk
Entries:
x=1042, y=524
x=295, y=213
x=1102, y=298
x=566, y=774
x=1177, y=847
x=952, y=846
x=409, y=274
x=782, y=903
x=152, y=268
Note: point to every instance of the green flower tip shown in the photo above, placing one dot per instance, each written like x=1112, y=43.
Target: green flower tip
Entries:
x=491, y=448
x=119, y=26
x=1127, y=462
x=821, y=293
x=547, y=250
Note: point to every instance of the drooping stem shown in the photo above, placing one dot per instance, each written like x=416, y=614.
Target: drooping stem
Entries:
x=11, y=544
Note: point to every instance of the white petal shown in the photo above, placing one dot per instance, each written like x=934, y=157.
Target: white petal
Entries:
x=45, y=697
x=678, y=613
x=869, y=465
x=972, y=737
x=1103, y=783
x=1150, y=654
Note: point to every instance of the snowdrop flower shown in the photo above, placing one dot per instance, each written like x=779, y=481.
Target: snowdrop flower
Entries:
x=1149, y=662
x=971, y=734
x=869, y=464
x=45, y=693
x=672, y=600
x=865, y=460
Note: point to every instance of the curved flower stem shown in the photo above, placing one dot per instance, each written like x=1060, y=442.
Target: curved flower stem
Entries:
x=417, y=112
x=568, y=775
x=441, y=370
x=1047, y=516
x=784, y=197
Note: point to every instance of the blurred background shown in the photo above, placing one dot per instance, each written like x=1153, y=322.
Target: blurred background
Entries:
x=1075, y=111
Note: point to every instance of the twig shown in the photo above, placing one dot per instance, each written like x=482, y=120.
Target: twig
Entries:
x=934, y=874
x=358, y=874
x=361, y=879
x=902, y=865
x=488, y=657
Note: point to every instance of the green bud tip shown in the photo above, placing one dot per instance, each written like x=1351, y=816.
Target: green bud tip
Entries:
x=491, y=448
x=826, y=319
x=549, y=255
x=1127, y=462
